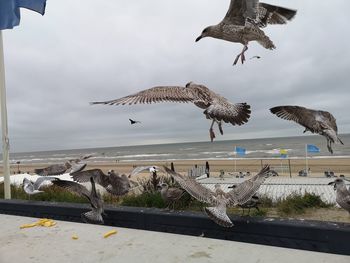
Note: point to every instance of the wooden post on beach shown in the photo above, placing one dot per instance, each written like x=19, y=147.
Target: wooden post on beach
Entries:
x=173, y=169
x=207, y=168
x=261, y=163
x=290, y=169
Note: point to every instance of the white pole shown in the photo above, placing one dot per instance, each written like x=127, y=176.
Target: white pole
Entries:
x=235, y=158
x=306, y=163
x=4, y=129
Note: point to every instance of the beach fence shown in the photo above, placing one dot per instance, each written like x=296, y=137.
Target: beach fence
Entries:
x=278, y=188
x=197, y=171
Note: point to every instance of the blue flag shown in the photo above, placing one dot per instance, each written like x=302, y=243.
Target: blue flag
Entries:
x=240, y=151
x=10, y=14
x=312, y=148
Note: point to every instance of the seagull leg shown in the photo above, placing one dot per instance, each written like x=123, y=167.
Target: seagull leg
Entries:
x=241, y=55
x=220, y=127
x=211, y=131
x=329, y=146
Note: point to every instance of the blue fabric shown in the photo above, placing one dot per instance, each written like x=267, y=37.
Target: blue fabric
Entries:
x=240, y=151
x=312, y=148
x=10, y=14
x=284, y=156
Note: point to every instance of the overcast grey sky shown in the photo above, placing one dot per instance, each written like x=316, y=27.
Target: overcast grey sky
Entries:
x=89, y=50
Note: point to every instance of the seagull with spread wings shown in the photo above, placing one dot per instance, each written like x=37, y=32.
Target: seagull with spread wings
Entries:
x=114, y=183
x=243, y=21
x=216, y=107
x=315, y=121
x=218, y=198
x=73, y=165
x=32, y=188
x=94, y=197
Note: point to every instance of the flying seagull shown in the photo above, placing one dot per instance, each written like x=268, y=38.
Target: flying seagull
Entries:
x=96, y=202
x=114, y=183
x=73, y=165
x=342, y=194
x=32, y=188
x=170, y=194
x=315, y=121
x=218, y=198
x=243, y=21
x=133, y=122
x=216, y=107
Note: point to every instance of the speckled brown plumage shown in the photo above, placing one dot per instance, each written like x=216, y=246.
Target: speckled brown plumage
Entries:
x=315, y=121
x=243, y=21
x=216, y=107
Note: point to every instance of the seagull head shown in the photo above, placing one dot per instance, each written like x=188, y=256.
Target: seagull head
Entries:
x=337, y=182
x=207, y=32
x=162, y=186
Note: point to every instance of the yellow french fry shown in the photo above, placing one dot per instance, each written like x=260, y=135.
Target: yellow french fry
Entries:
x=75, y=237
x=27, y=225
x=109, y=233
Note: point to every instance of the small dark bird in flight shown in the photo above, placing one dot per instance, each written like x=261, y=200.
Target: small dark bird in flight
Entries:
x=133, y=122
x=257, y=57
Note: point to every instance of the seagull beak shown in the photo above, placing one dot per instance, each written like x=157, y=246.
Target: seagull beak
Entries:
x=198, y=38
x=331, y=183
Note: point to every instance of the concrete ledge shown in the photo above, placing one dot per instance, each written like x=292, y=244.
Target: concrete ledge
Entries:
x=317, y=236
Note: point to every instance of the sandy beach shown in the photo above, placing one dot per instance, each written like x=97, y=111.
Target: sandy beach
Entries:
x=317, y=166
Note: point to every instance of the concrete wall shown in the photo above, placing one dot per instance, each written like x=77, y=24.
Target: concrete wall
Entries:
x=307, y=235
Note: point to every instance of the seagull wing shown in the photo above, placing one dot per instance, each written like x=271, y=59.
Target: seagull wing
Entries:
x=271, y=14
x=154, y=95
x=174, y=193
x=55, y=169
x=73, y=187
x=95, y=198
x=303, y=116
x=239, y=10
x=140, y=169
x=329, y=120
x=97, y=174
x=245, y=190
x=194, y=188
x=42, y=179
x=236, y=114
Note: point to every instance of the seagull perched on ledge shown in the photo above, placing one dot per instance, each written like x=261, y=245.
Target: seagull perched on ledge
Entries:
x=216, y=107
x=342, y=194
x=94, y=197
x=218, y=198
x=315, y=121
x=243, y=21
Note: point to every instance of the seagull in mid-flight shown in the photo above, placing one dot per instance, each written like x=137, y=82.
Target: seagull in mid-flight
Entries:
x=218, y=199
x=315, y=121
x=94, y=197
x=216, y=107
x=243, y=21
x=32, y=188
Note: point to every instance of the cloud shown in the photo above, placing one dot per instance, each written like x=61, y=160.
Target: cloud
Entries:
x=84, y=51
